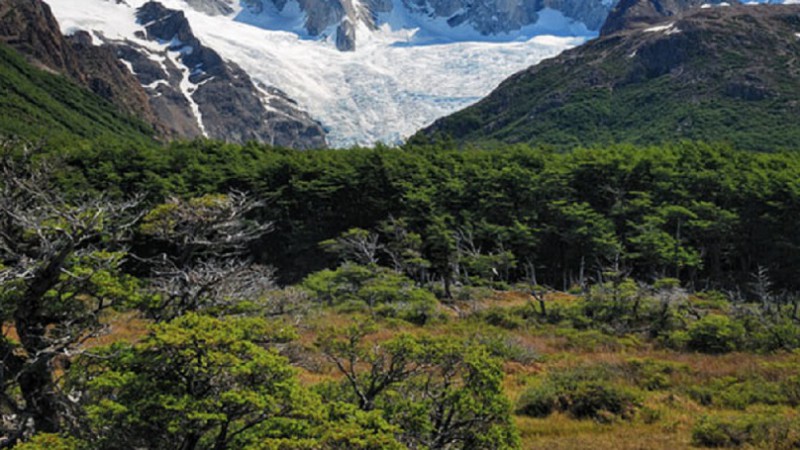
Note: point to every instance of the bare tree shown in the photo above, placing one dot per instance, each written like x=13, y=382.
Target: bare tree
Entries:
x=356, y=245
x=59, y=261
x=204, y=264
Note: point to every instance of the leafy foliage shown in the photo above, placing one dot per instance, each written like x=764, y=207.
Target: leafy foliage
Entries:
x=195, y=382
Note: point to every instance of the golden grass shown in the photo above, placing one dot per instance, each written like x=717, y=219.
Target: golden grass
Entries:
x=673, y=414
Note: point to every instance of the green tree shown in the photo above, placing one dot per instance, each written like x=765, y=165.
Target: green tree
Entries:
x=60, y=264
x=440, y=393
x=196, y=382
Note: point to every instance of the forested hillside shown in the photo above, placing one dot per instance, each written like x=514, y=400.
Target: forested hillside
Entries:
x=43, y=105
x=713, y=74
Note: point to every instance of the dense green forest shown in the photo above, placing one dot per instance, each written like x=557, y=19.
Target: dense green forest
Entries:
x=206, y=295
x=708, y=215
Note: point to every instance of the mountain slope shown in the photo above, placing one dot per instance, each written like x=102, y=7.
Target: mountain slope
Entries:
x=198, y=93
x=724, y=73
x=394, y=83
x=30, y=28
x=39, y=105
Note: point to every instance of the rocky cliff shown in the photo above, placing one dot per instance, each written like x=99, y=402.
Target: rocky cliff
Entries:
x=198, y=93
x=339, y=19
x=629, y=14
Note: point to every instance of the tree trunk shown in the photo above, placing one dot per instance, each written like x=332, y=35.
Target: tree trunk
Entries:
x=36, y=385
x=221, y=442
x=191, y=442
x=447, y=294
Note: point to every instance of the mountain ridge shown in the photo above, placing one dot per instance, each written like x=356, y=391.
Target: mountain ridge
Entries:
x=724, y=73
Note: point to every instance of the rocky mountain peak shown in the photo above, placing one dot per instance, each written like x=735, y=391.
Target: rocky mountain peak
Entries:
x=197, y=93
x=339, y=19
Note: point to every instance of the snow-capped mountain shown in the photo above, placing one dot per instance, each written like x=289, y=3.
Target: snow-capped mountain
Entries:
x=340, y=20
x=412, y=61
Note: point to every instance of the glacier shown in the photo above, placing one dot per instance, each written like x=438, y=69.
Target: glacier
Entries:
x=402, y=76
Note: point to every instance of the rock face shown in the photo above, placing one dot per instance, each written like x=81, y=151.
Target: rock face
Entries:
x=720, y=73
x=185, y=90
x=490, y=17
x=487, y=17
x=29, y=27
x=630, y=14
x=197, y=93
x=213, y=7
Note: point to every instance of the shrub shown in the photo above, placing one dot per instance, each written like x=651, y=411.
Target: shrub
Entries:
x=504, y=318
x=353, y=288
x=759, y=431
x=583, y=393
x=653, y=375
x=538, y=401
x=776, y=336
x=46, y=441
x=715, y=334
x=596, y=400
x=728, y=392
x=791, y=390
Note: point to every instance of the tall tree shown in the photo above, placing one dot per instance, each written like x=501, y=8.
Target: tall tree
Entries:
x=59, y=268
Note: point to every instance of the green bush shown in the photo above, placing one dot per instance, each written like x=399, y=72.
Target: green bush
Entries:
x=729, y=392
x=46, y=441
x=507, y=318
x=538, y=401
x=653, y=375
x=715, y=334
x=597, y=400
x=583, y=393
x=354, y=288
x=791, y=390
x=760, y=431
x=771, y=337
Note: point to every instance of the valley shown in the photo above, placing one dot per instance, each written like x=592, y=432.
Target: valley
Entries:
x=392, y=225
x=398, y=79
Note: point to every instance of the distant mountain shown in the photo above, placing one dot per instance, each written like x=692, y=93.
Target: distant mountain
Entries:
x=340, y=20
x=711, y=73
